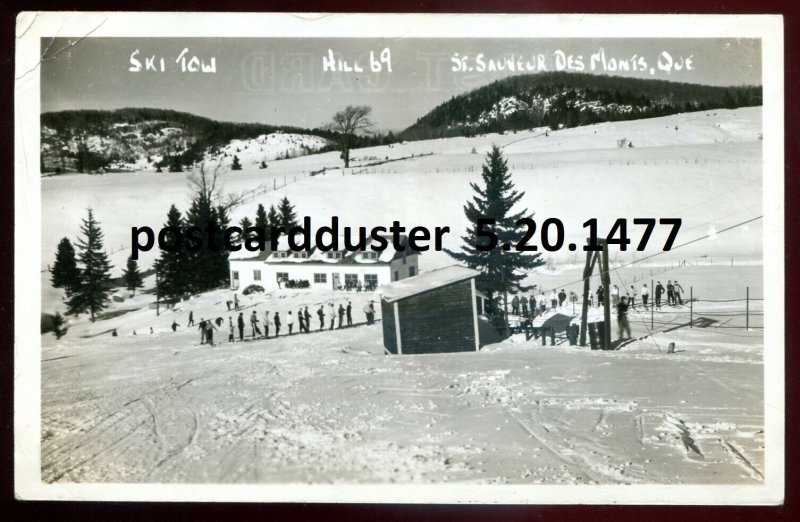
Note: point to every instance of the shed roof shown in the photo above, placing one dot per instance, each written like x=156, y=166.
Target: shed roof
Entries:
x=425, y=282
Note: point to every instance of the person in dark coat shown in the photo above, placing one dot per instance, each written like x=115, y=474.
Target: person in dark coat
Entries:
x=659, y=293
x=210, y=331
x=231, y=330
x=301, y=321
x=202, y=328
x=515, y=305
x=191, y=319
x=277, y=324
x=341, y=315
x=562, y=297
x=670, y=293
x=622, y=318
x=240, y=324
x=321, y=315
x=599, y=296
x=349, y=311
x=524, y=303
x=308, y=320
x=254, y=323
x=174, y=326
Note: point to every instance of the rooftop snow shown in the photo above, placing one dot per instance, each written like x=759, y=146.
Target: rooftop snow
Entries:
x=425, y=282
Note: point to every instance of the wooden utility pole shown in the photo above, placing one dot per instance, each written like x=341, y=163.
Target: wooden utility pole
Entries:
x=605, y=280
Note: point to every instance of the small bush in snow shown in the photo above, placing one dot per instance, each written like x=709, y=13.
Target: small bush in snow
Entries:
x=252, y=289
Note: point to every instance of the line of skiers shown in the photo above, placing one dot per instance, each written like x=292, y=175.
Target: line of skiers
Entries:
x=673, y=291
x=538, y=304
x=273, y=322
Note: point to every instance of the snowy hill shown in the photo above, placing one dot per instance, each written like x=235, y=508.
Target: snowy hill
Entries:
x=129, y=140
x=568, y=99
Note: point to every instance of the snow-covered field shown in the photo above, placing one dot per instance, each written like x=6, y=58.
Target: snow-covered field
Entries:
x=330, y=407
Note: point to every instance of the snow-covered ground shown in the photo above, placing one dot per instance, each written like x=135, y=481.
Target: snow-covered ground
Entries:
x=331, y=407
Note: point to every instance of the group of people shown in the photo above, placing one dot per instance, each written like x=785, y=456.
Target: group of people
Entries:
x=538, y=304
x=673, y=291
x=335, y=318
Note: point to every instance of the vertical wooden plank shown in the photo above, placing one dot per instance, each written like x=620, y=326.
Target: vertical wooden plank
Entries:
x=606, y=278
x=475, y=314
x=397, y=329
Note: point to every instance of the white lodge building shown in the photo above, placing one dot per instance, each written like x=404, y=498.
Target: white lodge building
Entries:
x=332, y=269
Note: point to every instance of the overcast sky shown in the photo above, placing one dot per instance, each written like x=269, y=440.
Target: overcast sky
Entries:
x=281, y=81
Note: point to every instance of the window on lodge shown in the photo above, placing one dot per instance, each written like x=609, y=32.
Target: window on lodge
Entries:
x=351, y=279
x=320, y=278
x=369, y=255
x=371, y=280
x=334, y=255
x=301, y=255
x=281, y=255
x=396, y=275
x=256, y=275
x=412, y=271
x=282, y=276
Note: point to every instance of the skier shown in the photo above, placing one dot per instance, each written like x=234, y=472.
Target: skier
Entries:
x=321, y=315
x=622, y=318
x=524, y=303
x=209, y=331
x=562, y=297
x=230, y=330
x=202, y=328
x=228, y=303
x=333, y=316
x=254, y=324
x=615, y=295
x=632, y=297
x=599, y=295
x=174, y=326
x=645, y=294
x=573, y=297
x=277, y=324
x=515, y=305
x=553, y=299
x=301, y=323
x=369, y=311
x=670, y=293
x=659, y=293
x=349, y=311
x=542, y=302
x=308, y=320
x=677, y=293
x=191, y=319
x=240, y=324
x=290, y=322
x=266, y=324
x=236, y=302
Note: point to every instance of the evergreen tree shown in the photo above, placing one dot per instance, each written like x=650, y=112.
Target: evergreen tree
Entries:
x=261, y=218
x=92, y=292
x=132, y=276
x=236, y=165
x=175, y=164
x=501, y=270
x=65, y=273
x=288, y=218
x=172, y=266
x=58, y=325
x=245, y=223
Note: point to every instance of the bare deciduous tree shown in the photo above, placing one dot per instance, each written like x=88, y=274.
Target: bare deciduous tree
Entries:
x=205, y=182
x=348, y=123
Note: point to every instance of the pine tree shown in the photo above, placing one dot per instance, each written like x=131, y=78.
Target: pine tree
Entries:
x=58, y=325
x=261, y=217
x=236, y=165
x=65, y=273
x=132, y=276
x=92, y=292
x=172, y=266
x=245, y=223
x=501, y=270
x=288, y=218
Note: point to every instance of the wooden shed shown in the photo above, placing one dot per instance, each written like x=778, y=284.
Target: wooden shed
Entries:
x=433, y=312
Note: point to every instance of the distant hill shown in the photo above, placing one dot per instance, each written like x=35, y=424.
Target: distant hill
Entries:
x=150, y=139
x=561, y=99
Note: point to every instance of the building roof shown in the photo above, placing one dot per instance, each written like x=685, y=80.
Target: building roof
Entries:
x=425, y=282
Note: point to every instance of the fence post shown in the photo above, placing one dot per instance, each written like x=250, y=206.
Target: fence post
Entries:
x=691, y=308
x=747, y=310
